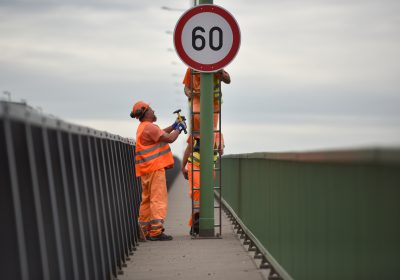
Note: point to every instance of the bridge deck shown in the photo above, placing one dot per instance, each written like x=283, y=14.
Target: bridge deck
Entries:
x=184, y=258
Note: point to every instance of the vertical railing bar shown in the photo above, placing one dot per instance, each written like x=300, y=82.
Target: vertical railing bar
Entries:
x=79, y=209
x=121, y=212
x=137, y=190
x=139, y=186
x=128, y=216
x=125, y=200
x=131, y=217
x=87, y=205
x=112, y=260
x=130, y=202
x=68, y=205
x=123, y=245
x=37, y=203
x=114, y=232
x=117, y=217
x=96, y=205
x=54, y=204
x=134, y=187
x=131, y=190
x=16, y=200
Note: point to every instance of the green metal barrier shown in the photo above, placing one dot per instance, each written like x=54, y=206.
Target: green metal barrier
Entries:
x=325, y=215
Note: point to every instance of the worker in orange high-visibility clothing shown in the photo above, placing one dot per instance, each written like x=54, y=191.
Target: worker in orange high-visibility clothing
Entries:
x=189, y=164
x=222, y=76
x=153, y=155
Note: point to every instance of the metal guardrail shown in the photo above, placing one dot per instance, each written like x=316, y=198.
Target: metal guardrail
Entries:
x=69, y=198
x=318, y=215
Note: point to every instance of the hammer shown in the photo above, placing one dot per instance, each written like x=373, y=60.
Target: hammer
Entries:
x=181, y=119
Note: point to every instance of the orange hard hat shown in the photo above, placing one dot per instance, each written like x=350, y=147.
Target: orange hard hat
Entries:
x=139, y=109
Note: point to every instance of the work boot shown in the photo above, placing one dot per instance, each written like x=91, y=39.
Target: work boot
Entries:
x=194, y=230
x=143, y=234
x=196, y=224
x=161, y=237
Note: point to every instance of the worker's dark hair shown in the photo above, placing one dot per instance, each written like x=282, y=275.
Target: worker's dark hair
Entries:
x=139, y=113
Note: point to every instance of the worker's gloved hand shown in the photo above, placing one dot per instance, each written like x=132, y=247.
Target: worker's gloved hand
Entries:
x=175, y=124
x=182, y=126
x=219, y=74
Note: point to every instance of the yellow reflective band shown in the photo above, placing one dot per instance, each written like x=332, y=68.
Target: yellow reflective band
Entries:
x=196, y=156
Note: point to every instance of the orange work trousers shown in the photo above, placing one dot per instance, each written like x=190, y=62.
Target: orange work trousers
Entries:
x=154, y=205
x=196, y=117
x=194, y=178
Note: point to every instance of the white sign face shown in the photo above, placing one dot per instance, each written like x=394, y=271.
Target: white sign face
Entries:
x=207, y=38
x=210, y=38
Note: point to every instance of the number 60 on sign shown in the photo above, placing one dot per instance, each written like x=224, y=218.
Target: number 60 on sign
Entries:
x=207, y=38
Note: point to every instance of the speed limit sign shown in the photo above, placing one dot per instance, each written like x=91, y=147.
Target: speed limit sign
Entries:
x=207, y=38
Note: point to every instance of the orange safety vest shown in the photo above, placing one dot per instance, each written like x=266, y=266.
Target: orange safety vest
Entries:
x=151, y=157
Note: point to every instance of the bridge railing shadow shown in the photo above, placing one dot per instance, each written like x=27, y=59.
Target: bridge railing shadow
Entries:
x=69, y=198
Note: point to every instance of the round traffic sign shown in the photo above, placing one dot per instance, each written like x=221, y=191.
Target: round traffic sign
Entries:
x=207, y=38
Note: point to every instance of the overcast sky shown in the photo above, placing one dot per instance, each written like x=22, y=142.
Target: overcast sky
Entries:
x=309, y=75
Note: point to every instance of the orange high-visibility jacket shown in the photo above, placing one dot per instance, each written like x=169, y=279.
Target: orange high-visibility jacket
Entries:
x=150, y=158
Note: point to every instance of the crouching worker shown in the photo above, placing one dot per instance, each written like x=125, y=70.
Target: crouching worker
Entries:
x=189, y=166
x=153, y=156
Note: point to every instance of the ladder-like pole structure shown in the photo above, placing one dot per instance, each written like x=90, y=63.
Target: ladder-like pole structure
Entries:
x=206, y=151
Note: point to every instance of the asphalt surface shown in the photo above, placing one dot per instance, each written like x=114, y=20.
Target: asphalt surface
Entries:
x=187, y=258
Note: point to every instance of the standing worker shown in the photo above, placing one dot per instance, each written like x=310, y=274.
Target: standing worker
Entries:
x=220, y=76
x=189, y=165
x=153, y=156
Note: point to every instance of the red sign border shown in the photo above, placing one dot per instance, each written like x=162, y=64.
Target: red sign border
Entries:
x=178, y=35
